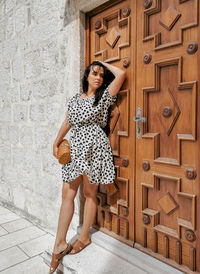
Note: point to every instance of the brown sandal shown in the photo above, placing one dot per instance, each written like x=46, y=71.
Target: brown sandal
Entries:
x=77, y=246
x=56, y=258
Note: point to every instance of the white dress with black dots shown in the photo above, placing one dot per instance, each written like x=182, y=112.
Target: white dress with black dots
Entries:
x=89, y=145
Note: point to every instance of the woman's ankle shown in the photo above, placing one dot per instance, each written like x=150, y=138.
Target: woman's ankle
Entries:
x=84, y=236
x=60, y=243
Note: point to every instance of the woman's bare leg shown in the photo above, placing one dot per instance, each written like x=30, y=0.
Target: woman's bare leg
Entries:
x=90, y=208
x=69, y=191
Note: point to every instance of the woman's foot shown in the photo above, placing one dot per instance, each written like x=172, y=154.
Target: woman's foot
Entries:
x=58, y=253
x=79, y=244
x=60, y=247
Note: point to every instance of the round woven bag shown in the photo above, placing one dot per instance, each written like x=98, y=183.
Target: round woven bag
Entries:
x=64, y=152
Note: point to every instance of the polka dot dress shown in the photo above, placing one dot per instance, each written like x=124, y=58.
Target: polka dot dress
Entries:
x=89, y=145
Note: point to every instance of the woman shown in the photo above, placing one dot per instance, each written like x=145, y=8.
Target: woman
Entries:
x=91, y=153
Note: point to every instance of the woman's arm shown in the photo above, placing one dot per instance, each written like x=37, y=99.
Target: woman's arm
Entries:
x=65, y=127
x=120, y=76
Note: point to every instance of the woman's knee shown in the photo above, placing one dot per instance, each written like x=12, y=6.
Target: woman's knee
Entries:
x=89, y=190
x=68, y=194
x=69, y=190
x=90, y=193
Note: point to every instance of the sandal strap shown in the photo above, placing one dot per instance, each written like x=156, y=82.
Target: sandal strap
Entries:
x=77, y=245
x=56, y=257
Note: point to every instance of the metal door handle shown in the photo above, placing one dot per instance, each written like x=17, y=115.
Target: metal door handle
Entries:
x=138, y=119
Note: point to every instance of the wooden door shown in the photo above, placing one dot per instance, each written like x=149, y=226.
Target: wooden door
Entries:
x=111, y=38
x=154, y=202
x=167, y=146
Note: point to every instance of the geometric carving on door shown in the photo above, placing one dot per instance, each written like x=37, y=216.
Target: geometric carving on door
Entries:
x=113, y=210
x=113, y=37
x=178, y=112
x=189, y=136
x=123, y=185
x=168, y=18
x=119, y=124
x=124, y=98
x=114, y=118
x=168, y=204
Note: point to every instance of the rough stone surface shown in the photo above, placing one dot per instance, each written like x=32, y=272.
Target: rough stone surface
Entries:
x=42, y=53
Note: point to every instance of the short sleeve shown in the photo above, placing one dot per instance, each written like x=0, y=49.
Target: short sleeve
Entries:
x=70, y=109
x=107, y=98
x=70, y=101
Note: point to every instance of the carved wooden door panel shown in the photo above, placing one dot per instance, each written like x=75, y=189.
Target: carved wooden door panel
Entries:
x=167, y=143
x=111, y=33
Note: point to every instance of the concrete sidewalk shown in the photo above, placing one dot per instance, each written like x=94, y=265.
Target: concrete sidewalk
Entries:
x=26, y=248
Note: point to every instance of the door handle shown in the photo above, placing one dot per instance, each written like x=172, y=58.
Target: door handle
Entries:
x=138, y=119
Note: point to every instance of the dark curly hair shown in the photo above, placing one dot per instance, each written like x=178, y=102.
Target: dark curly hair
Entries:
x=108, y=77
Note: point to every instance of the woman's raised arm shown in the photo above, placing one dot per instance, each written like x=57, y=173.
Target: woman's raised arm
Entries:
x=120, y=76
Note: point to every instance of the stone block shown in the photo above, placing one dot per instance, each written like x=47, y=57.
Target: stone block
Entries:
x=4, y=210
x=21, y=236
x=10, y=4
x=5, y=192
x=23, y=41
x=20, y=113
x=17, y=68
x=26, y=135
x=18, y=197
x=10, y=176
x=49, y=56
x=20, y=18
x=5, y=113
x=2, y=30
x=13, y=134
x=16, y=225
x=9, y=27
x=45, y=30
x=44, y=186
x=42, y=11
x=2, y=231
x=45, y=88
x=24, y=176
x=25, y=92
x=2, y=8
x=32, y=64
x=38, y=198
x=43, y=137
x=9, y=48
x=50, y=164
x=8, y=217
x=11, y=256
x=31, y=266
x=37, y=112
x=4, y=75
x=26, y=158
x=5, y=152
x=37, y=246
x=53, y=112
x=10, y=95
x=3, y=133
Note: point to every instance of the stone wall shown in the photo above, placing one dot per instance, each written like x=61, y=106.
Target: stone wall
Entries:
x=41, y=64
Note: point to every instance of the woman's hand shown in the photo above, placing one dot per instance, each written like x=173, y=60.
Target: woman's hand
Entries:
x=55, y=151
x=120, y=76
